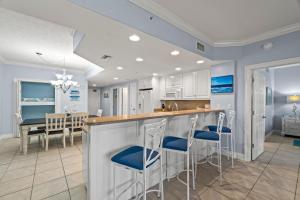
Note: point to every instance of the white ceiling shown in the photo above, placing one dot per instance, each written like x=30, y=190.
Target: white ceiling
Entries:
x=105, y=36
x=21, y=36
x=230, y=22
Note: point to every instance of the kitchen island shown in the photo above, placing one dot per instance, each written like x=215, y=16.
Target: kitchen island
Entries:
x=104, y=136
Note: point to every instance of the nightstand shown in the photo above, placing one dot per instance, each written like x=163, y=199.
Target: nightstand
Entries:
x=291, y=125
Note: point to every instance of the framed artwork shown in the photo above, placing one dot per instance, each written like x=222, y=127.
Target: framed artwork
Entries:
x=222, y=84
x=105, y=95
x=269, y=96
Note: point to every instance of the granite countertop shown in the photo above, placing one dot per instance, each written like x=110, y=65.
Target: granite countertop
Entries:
x=93, y=121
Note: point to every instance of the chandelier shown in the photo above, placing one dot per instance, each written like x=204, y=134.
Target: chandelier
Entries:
x=64, y=82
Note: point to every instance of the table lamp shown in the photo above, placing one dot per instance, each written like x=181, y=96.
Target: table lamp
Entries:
x=294, y=99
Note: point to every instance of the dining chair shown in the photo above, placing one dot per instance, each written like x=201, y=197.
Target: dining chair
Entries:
x=182, y=146
x=31, y=132
x=139, y=159
x=56, y=125
x=99, y=112
x=77, y=125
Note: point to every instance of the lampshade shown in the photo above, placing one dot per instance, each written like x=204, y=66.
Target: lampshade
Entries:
x=293, y=98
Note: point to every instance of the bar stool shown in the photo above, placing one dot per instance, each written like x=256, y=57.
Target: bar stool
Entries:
x=182, y=146
x=227, y=131
x=215, y=138
x=138, y=159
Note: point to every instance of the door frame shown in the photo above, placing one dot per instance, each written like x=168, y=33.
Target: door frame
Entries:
x=248, y=74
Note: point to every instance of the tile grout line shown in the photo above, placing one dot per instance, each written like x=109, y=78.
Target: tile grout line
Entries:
x=37, y=156
x=263, y=171
x=298, y=182
x=64, y=173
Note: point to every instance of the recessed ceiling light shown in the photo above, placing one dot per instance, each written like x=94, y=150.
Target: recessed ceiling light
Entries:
x=119, y=68
x=116, y=78
x=178, y=69
x=200, y=61
x=94, y=85
x=155, y=74
x=138, y=59
x=134, y=38
x=172, y=76
x=175, y=53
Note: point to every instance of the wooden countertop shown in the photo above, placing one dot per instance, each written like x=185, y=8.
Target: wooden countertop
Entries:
x=93, y=121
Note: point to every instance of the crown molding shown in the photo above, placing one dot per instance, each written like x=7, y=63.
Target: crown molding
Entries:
x=171, y=18
x=264, y=36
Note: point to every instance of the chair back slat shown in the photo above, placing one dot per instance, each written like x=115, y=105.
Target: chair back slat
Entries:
x=220, y=122
x=55, y=122
x=78, y=119
x=154, y=134
x=192, y=126
x=230, y=119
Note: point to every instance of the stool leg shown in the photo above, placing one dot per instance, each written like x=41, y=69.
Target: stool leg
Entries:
x=188, y=177
x=193, y=171
x=114, y=182
x=232, y=150
x=220, y=160
x=227, y=146
x=161, y=180
x=145, y=184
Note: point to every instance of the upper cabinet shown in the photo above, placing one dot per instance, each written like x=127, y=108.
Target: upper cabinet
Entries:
x=174, y=81
x=203, y=85
x=192, y=85
x=145, y=83
x=188, y=80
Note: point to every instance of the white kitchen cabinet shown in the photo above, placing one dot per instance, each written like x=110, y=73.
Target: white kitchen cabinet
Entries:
x=174, y=80
x=203, y=79
x=188, y=82
x=145, y=83
x=162, y=88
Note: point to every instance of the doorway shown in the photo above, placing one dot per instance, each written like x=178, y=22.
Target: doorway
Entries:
x=250, y=128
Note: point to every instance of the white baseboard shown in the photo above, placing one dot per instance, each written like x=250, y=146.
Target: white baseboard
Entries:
x=5, y=136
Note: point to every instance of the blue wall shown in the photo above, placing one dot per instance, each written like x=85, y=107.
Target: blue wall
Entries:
x=37, y=90
x=287, y=82
x=286, y=46
x=10, y=73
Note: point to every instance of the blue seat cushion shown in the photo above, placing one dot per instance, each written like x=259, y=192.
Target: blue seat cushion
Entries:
x=224, y=129
x=175, y=143
x=133, y=157
x=206, y=135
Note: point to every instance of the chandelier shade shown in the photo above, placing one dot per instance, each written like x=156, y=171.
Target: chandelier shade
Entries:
x=64, y=82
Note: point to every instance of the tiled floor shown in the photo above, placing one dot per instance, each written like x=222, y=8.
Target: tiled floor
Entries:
x=52, y=175
x=56, y=175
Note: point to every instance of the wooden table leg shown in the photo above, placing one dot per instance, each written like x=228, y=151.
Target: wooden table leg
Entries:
x=25, y=142
x=21, y=139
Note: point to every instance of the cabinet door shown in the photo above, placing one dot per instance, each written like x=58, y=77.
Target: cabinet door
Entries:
x=174, y=80
x=203, y=84
x=188, y=81
x=162, y=88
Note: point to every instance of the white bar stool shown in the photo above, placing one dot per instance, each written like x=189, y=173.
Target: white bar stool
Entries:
x=228, y=133
x=138, y=159
x=182, y=146
x=215, y=138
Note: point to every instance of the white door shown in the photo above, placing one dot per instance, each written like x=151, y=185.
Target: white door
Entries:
x=94, y=101
x=258, y=113
x=133, y=93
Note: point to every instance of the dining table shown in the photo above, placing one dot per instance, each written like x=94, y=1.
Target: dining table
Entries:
x=38, y=123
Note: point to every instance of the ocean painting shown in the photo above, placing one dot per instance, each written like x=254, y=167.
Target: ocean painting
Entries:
x=222, y=84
